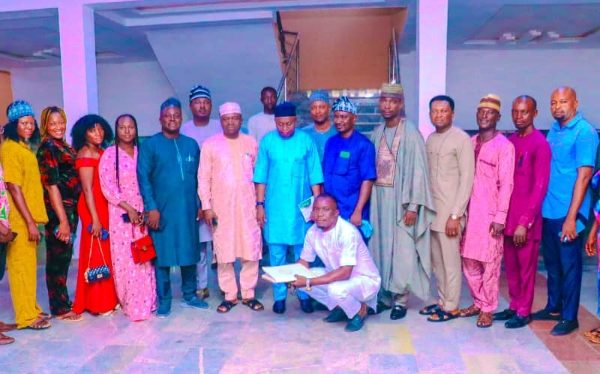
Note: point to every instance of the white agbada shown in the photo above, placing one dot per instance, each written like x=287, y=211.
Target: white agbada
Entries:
x=343, y=246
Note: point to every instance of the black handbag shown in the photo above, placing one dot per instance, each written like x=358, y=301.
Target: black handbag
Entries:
x=2, y=259
x=98, y=273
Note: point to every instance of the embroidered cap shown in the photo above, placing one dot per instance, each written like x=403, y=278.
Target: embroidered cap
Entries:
x=198, y=92
x=491, y=101
x=393, y=90
x=344, y=104
x=170, y=102
x=18, y=109
x=230, y=108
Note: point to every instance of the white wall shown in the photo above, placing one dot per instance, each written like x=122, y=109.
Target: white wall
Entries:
x=509, y=73
x=137, y=88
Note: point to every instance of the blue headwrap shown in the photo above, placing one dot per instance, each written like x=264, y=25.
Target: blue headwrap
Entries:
x=319, y=95
x=199, y=91
x=170, y=102
x=18, y=109
x=285, y=109
x=345, y=105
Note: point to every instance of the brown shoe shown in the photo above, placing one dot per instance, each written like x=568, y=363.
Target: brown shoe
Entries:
x=202, y=293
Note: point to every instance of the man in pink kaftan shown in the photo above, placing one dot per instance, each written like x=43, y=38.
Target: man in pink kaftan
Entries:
x=228, y=199
x=492, y=187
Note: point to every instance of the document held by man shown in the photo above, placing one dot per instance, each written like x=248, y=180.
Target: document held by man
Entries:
x=287, y=273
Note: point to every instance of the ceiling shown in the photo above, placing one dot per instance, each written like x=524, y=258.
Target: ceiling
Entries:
x=31, y=38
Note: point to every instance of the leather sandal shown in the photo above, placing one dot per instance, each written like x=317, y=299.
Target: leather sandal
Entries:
x=225, y=306
x=470, y=311
x=429, y=310
x=485, y=320
x=4, y=339
x=253, y=304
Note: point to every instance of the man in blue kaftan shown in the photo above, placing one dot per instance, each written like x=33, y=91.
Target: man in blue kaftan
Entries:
x=167, y=174
x=349, y=166
x=289, y=170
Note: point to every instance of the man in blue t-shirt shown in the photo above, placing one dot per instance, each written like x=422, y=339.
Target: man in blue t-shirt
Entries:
x=349, y=165
x=566, y=208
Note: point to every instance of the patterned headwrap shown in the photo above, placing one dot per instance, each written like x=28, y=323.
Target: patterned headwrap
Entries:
x=18, y=109
x=345, y=105
x=170, y=102
x=198, y=92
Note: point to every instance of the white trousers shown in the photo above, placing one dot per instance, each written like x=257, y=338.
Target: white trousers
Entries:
x=348, y=294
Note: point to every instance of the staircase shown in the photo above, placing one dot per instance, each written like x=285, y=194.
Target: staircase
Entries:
x=367, y=102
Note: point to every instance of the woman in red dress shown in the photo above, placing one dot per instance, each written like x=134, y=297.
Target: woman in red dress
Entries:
x=90, y=134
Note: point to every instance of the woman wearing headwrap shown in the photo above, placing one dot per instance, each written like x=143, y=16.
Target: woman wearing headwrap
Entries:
x=61, y=190
x=136, y=287
x=26, y=198
x=90, y=135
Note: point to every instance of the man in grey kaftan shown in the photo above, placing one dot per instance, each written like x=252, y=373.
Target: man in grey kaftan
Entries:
x=401, y=207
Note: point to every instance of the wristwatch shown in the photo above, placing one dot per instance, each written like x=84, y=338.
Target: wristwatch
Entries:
x=307, y=287
x=454, y=216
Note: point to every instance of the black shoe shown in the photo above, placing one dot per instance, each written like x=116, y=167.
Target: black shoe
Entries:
x=381, y=307
x=336, y=315
x=306, y=306
x=504, y=315
x=317, y=305
x=564, y=327
x=355, y=324
x=279, y=307
x=398, y=312
x=545, y=315
x=517, y=322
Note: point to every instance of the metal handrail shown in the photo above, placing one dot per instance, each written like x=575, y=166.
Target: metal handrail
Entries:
x=394, y=60
x=293, y=58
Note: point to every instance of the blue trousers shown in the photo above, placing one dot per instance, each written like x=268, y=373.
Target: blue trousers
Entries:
x=564, y=266
x=163, y=283
x=277, y=257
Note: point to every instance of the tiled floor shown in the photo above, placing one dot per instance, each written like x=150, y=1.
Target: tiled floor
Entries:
x=243, y=341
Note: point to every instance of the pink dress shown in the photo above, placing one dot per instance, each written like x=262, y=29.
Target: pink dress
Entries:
x=135, y=283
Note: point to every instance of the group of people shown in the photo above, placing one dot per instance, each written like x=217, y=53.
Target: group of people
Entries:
x=387, y=210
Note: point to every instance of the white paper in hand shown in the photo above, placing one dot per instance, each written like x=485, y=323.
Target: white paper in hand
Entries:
x=305, y=207
x=287, y=273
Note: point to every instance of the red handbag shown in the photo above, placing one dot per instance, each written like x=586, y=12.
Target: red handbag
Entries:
x=142, y=249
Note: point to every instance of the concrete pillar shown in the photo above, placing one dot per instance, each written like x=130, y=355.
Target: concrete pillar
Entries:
x=78, y=61
x=432, y=52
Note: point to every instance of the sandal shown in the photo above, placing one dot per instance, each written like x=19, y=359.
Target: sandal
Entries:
x=226, y=306
x=253, y=304
x=44, y=315
x=39, y=324
x=4, y=327
x=470, y=311
x=593, y=332
x=429, y=310
x=443, y=316
x=484, y=320
x=70, y=316
x=595, y=339
x=6, y=339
